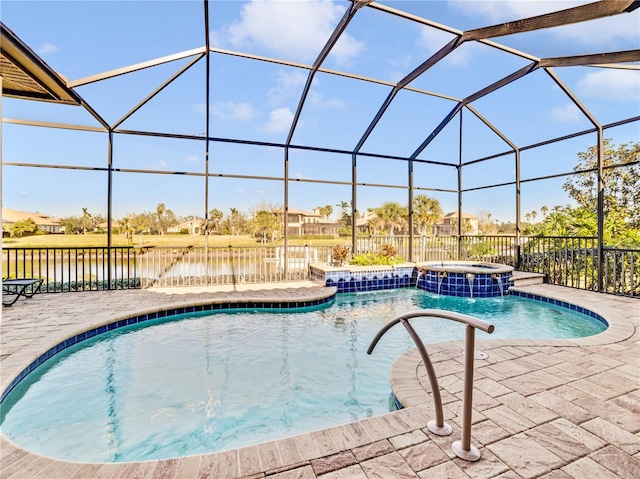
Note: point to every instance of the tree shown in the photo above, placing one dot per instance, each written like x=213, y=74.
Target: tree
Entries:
x=86, y=220
x=235, y=221
x=391, y=215
x=343, y=205
x=426, y=211
x=544, y=210
x=556, y=223
x=485, y=224
x=213, y=221
x=621, y=184
x=20, y=229
x=164, y=218
x=266, y=223
x=325, y=211
x=126, y=226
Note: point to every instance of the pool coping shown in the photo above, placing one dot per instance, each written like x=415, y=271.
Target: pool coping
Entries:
x=311, y=453
x=619, y=329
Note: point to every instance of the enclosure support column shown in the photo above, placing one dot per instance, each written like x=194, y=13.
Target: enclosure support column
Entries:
x=206, y=145
x=460, y=190
x=600, y=211
x=286, y=212
x=354, y=195
x=517, y=246
x=411, y=212
x=109, y=205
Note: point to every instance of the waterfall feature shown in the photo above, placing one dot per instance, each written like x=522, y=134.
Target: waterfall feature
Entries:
x=498, y=279
x=441, y=276
x=470, y=278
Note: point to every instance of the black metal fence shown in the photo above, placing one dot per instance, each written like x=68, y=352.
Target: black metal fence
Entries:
x=564, y=261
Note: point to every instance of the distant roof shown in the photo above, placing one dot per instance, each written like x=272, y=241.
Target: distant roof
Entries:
x=302, y=212
x=13, y=216
x=454, y=214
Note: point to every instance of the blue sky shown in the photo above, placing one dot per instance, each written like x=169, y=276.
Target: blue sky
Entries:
x=255, y=100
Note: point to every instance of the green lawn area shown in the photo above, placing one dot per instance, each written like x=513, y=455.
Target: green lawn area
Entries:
x=98, y=240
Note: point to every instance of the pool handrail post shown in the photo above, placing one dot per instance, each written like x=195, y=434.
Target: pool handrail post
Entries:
x=463, y=449
x=438, y=426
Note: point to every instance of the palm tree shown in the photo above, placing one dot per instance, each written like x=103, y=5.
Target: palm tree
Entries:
x=426, y=211
x=325, y=211
x=343, y=205
x=391, y=215
x=234, y=219
x=328, y=211
x=213, y=222
x=86, y=220
x=534, y=213
x=544, y=210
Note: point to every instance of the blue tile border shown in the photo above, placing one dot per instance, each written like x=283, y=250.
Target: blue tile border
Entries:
x=562, y=304
x=483, y=285
x=235, y=306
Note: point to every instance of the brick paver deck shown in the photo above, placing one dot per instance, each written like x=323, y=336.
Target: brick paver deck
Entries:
x=553, y=409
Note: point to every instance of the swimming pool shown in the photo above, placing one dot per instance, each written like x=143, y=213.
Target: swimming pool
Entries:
x=227, y=380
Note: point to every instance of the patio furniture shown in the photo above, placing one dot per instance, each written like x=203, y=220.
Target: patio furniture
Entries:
x=14, y=288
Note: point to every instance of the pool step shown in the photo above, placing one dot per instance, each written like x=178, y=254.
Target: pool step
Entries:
x=523, y=278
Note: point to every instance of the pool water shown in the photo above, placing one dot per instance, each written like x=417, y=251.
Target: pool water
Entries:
x=208, y=383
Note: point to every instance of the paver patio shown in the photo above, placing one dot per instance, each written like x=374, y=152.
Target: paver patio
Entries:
x=555, y=409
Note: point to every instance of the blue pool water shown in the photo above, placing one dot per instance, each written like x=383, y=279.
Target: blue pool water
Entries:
x=208, y=383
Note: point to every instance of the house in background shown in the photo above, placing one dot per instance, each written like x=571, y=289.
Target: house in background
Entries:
x=43, y=222
x=102, y=227
x=191, y=226
x=309, y=223
x=448, y=225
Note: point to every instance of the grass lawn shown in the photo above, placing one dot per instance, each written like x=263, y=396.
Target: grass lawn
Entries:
x=100, y=240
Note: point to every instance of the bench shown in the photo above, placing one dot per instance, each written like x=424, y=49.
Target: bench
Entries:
x=14, y=288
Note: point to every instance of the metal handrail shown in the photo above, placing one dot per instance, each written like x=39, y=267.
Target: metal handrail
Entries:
x=463, y=449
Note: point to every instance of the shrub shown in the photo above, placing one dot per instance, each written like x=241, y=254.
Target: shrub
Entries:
x=339, y=255
x=387, y=256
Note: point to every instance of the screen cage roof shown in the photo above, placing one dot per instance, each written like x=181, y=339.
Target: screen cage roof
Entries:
x=200, y=47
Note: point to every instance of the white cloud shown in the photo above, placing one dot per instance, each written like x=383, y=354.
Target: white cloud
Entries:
x=241, y=191
x=300, y=176
x=316, y=99
x=162, y=165
x=296, y=30
x=234, y=111
x=609, y=84
x=566, y=114
x=24, y=193
x=279, y=120
x=191, y=159
x=46, y=48
x=288, y=85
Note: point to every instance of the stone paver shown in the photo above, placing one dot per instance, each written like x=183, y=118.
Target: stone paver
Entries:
x=554, y=409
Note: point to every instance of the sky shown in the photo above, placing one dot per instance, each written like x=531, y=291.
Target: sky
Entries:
x=256, y=101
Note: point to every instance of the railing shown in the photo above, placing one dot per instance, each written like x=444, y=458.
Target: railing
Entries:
x=564, y=261
x=73, y=269
x=198, y=266
x=621, y=271
x=463, y=448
